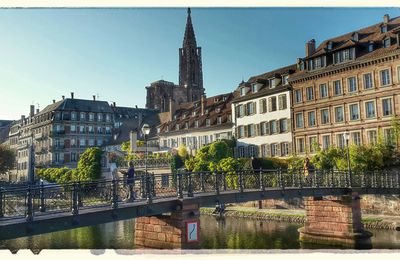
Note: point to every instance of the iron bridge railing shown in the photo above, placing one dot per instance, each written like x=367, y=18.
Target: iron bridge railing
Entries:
x=151, y=163
x=31, y=201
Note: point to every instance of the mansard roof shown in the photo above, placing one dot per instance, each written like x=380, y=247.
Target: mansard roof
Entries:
x=84, y=105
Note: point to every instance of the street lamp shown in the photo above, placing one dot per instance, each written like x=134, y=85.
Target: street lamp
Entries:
x=146, y=132
x=346, y=137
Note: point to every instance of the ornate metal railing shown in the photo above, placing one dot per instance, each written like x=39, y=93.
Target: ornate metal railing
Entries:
x=30, y=201
x=151, y=163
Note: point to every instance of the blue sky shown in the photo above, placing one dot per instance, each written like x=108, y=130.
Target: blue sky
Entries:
x=115, y=53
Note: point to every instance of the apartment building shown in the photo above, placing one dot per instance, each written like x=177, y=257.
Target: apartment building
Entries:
x=262, y=115
x=349, y=83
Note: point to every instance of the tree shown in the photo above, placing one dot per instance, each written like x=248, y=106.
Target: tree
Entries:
x=126, y=146
x=182, y=151
x=218, y=150
x=89, y=165
x=7, y=159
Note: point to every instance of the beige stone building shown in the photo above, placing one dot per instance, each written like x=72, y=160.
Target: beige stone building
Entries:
x=348, y=83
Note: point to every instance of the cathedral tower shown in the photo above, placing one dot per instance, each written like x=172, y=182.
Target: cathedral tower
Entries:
x=190, y=71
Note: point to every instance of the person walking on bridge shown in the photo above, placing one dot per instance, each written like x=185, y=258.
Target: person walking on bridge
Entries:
x=130, y=182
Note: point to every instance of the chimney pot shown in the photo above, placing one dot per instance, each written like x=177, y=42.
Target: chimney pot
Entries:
x=94, y=98
x=63, y=97
x=72, y=95
x=54, y=101
x=32, y=111
x=37, y=110
x=114, y=104
x=386, y=18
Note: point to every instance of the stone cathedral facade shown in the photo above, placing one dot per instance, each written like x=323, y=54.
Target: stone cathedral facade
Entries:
x=162, y=94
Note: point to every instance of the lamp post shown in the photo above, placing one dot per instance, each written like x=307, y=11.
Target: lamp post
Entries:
x=145, y=132
x=346, y=137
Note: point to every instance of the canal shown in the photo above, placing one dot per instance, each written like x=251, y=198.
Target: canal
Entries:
x=227, y=233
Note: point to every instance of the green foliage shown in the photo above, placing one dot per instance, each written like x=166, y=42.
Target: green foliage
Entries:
x=89, y=165
x=230, y=166
x=295, y=163
x=217, y=151
x=182, y=151
x=58, y=175
x=177, y=162
x=7, y=159
x=126, y=146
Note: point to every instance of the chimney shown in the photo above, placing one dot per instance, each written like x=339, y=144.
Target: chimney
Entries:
x=114, y=104
x=72, y=95
x=37, y=110
x=310, y=47
x=203, y=104
x=32, y=111
x=171, y=109
x=54, y=101
x=22, y=117
x=386, y=18
x=94, y=97
x=63, y=97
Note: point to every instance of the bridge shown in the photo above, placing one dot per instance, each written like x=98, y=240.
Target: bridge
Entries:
x=164, y=205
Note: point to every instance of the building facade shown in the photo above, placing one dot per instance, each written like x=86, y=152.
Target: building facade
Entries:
x=190, y=88
x=198, y=123
x=349, y=83
x=262, y=115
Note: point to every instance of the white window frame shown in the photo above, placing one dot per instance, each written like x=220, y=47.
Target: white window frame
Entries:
x=365, y=109
x=334, y=88
x=391, y=106
x=380, y=77
x=327, y=90
x=343, y=114
x=372, y=80
x=359, y=115
x=355, y=86
x=329, y=116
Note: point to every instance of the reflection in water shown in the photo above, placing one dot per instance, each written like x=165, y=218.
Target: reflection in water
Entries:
x=215, y=233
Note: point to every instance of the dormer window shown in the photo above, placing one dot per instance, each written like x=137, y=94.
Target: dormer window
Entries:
x=216, y=100
x=196, y=123
x=217, y=110
x=194, y=113
x=344, y=55
x=167, y=128
x=219, y=120
x=175, y=117
x=184, y=116
x=158, y=130
x=208, y=122
x=384, y=28
x=355, y=36
x=271, y=83
x=285, y=79
x=224, y=98
x=386, y=43
x=186, y=125
x=254, y=88
x=316, y=63
x=330, y=45
x=196, y=104
x=206, y=111
x=370, y=46
x=177, y=127
x=243, y=91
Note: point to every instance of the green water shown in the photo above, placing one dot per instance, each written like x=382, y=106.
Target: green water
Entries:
x=228, y=233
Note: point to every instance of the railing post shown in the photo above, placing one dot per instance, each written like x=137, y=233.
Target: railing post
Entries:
x=149, y=189
x=142, y=186
x=42, y=207
x=241, y=188
x=282, y=184
x=216, y=182
x=153, y=184
x=202, y=186
x=261, y=178
x=114, y=203
x=29, y=205
x=224, y=179
x=1, y=203
x=74, y=199
x=363, y=180
x=299, y=176
x=315, y=177
x=180, y=191
x=190, y=185
x=397, y=180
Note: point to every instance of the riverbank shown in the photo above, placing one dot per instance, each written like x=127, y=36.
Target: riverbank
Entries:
x=298, y=216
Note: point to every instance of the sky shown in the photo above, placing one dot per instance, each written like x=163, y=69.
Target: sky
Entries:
x=114, y=53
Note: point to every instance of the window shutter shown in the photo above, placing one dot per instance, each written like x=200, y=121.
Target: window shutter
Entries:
x=290, y=148
x=260, y=103
x=278, y=152
x=245, y=131
x=257, y=130
x=278, y=130
x=268, y=150
x=289, y=125
x=269, y=105
x=255, y=107
x=280, y=102
x=284, y=101
x=267, y=128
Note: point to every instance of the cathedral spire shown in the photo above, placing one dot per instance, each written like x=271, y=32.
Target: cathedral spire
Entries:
x=189, y=38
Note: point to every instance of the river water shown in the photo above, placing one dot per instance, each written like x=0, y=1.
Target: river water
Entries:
x=227, y=233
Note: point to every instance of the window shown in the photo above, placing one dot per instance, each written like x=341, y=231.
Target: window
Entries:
x=243, y=91
x=323, y=91
x=371, y=136
x=254, y=88
x=339, y=115
x=91, y=142
x=313, y=144
x=241, y=131
x=355, y=138
x=186, y=125
x=81, y=129
x=325, y=116
x=370, y=47
x=272, y=127
x=73, y=142
x=354, y=112
x=108, y=117
x=340, y=143
x=326, y=141
x=385, y=77
x=73, y=115
x=317, y=63
x=251, y=108
x=219, y=120
x=91, y=116
x=367, y=79
x=298, y=96
x=285, y=80
x=386, y=42
x=311, y=118
x=383, y=28
x=73, y=128
x=344, y=55
x=387, y=107
x=337, y=88
x=282, y=102
x=300, y=148
x=82, y=142
x=285, y=149
x=196, y=123
x=310, y=93
x=73, y=157
x=299, y=120
x=388, y=136
x=271, y=83
x=241, y=110
x=352, y=84
x=208, y=122
x=274, y=150
x=272, y=104
x=99, y=117
x=283, y=125
x=83, y=116
x=263, y=105
x=108, y=130
x=99, y=130
x=370, y=109
x=250, y=130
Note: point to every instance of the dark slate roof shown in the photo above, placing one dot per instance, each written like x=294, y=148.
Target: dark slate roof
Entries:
x=130, y=112
x=4, y=131
x=80, y=105
x=4, y=123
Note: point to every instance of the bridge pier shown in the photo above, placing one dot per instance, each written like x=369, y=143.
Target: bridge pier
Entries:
x=335, y=220
x=169, y=231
